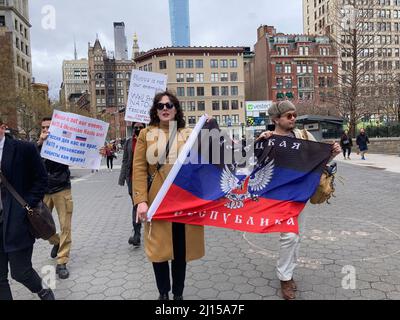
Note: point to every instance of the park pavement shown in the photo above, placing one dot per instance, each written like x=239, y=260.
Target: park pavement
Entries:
x=357, y=234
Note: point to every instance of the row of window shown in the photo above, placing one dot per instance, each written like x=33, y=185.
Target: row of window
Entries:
x=216, y=105
x=200, y=92
x=24, y=65
x=110, y=101
x=20, y=45
x=118, y=75
x=303, y=51
x=302, y=68
x=372, y=2
x=199, y=63
x=102, y=92
x=227, y=120
x=199, y=77
x=110, y=84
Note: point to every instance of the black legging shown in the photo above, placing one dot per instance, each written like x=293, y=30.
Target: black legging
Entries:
x=348, y=151
x=110, y=160
x=161, y=270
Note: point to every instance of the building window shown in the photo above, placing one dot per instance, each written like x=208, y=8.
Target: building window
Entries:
x=201, y=106
x=200, y=91
x=279, y=83
x=180, y=91
x=183, y=105
x=224, y=77
x=234, y=91
x=199, y=63
x=215, y=105
x=304, y=51
x=329, y=68
x=180, y=77
x=179, y=64
x=283, y=51
x=163, y=64
x=191, y=106
x=278, y=68
x=224, y=63
x=189, y=64
x=119, y=84
x=200, y=77
x=215, y=91
x=234, y=76
x=2, y=21
x=226, y=120
x=192, y=120
x=233, y=63
x=225, y=105
x=190, y=91
x=306, y=82
x=288, y=68
x=321, y=82
x=224, y=91
x=189, y=77
x=214, y=77
x=235, y=105
x=288, y=83
x=214, y=63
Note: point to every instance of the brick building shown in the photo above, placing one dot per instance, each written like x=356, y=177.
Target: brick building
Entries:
x=301, y=68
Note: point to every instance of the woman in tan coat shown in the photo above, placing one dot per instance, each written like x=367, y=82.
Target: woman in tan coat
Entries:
x=164, y=241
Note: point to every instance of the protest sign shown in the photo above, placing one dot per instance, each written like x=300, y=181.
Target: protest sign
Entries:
x=144, y=86
x=75, y=140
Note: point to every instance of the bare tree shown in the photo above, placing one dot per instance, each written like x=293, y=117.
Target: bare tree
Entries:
x=361, y=45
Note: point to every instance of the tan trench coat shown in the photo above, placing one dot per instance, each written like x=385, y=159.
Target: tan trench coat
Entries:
x=158, y=234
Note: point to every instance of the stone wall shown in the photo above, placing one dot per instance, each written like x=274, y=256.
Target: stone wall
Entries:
x=381, y=145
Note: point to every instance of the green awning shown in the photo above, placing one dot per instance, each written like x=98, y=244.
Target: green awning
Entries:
x=289, y=95
x=280, y=95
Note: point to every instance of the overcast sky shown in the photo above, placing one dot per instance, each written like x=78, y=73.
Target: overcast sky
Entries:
x=212, y=22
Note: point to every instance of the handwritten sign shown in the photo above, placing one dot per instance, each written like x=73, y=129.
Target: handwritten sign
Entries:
x=144, y=86
x=75, y=140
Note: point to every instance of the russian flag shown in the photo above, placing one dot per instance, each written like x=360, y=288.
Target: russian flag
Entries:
x=82, y=139
x=265, y=196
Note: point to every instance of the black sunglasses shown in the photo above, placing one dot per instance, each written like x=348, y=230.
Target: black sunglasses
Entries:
x=160, y=106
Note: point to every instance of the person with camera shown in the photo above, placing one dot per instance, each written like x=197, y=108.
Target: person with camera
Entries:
x=283, y=114
x=22, y=167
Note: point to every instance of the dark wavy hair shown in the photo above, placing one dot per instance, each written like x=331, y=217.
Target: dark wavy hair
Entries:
x=155, y=120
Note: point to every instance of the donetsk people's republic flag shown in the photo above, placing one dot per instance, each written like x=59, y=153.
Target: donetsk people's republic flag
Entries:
x=265, y=196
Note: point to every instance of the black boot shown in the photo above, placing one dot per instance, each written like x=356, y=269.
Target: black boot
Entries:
x=178, y=298
x=46, y=294
x=130, y=241
x=62, y=271
x=163, y=297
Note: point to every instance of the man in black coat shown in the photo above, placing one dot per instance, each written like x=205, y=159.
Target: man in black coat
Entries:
x=24, y=170
x=126, y=176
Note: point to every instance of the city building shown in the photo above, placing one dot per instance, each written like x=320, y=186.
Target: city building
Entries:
x=180, y=22
x=121, y=47
x=14, y=15
x=41, y=92
x=8, y=111
x=109, y=81
x=206, y=80
x=75, y=80
x=301, y=68
x=373, y=28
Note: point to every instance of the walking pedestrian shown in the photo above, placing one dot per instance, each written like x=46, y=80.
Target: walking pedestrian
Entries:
x=283, y=114
x=126, y=176
x=21, y=165
x=110, y=156
x=346, y=144
x=164, y=241
x=362, y=142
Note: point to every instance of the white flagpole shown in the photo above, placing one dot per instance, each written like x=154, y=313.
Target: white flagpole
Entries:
x=177, y=166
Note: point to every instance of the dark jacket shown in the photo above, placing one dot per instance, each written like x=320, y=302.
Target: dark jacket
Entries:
x=346, y=141
x=362, y=141
x=59, y=176
x=24, y=169
x=126, y=167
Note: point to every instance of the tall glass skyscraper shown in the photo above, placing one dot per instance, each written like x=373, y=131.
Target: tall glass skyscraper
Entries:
x=180, y=24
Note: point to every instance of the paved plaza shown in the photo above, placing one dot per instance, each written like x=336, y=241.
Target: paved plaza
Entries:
x=359, y=232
